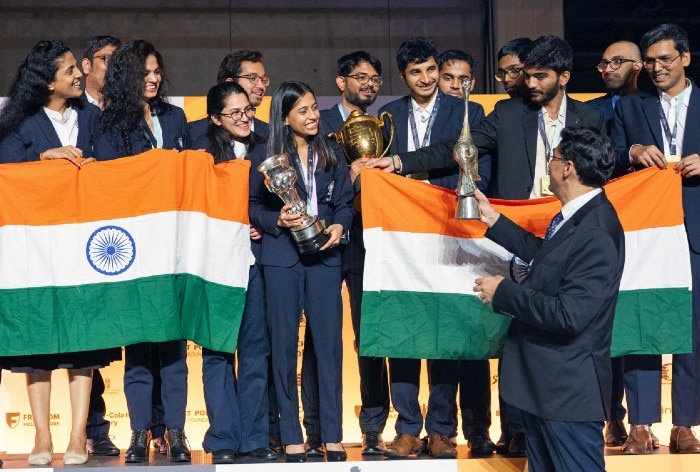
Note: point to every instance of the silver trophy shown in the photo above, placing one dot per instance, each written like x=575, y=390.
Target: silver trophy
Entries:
x=466, y=155
x=280, y=179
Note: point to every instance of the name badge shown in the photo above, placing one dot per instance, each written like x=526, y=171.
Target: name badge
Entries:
x=672, y=157
x=545, y=186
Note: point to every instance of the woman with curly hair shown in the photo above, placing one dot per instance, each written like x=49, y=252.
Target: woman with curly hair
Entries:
x=43, y=119
x=136, y=117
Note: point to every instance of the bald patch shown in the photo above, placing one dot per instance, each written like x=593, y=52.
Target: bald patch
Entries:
x=626, y=49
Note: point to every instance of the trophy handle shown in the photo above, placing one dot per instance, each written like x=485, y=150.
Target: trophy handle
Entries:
x=391, y=130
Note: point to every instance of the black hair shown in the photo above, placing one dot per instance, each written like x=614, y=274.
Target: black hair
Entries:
x=418, y=50
x=456, y=55
x=349, y=61
x=517, y=47
x=666, y=31
x=220, y=138
x=29, y=90
x=550, y=52
x=124, y=88
x=98, y=42
x=231, y=64
x=281, y=138
x=591, y=153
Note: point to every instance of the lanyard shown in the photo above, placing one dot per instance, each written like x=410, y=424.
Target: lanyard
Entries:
x=543, y=134
x=414, y=130
x=309, y=178
x=671, y=136
x=343, y=114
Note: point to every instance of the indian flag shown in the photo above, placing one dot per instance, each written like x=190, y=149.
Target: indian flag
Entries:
x=153, y=247
x=421, y=264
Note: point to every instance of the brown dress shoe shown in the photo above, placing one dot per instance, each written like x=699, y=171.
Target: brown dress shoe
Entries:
x=638, y=441
x=683, y=441
x=615, y=433
x=403, y=445
x=440, y=447
x=654, y=440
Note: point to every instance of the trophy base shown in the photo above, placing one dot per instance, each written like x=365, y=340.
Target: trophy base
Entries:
x=467, y=208
x=310, y=238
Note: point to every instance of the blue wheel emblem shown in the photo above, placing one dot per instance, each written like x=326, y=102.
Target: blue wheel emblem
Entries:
x=110, y=250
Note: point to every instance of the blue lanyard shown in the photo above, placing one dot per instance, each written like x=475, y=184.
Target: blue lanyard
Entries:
x=671, y=136
x=545, y=139
x=414, y=130
x=309, y=181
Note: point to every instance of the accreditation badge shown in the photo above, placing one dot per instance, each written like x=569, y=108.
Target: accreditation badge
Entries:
x=545, y=186
x=672, y=157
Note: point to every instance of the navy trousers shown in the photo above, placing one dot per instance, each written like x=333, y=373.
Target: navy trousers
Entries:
x=475, y=396
x=96, y=422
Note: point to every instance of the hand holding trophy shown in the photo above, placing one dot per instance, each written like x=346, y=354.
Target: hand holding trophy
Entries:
x=466, y=155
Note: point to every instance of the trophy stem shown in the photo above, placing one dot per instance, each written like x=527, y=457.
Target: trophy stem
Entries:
x=467, y=208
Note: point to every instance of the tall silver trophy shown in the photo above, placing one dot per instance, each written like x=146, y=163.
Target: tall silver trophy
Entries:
x=466, y=155
x=280, y=179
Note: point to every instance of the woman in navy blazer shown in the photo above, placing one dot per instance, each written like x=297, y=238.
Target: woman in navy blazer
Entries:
x=137, y=116
x=43, y=119
x=308, y=284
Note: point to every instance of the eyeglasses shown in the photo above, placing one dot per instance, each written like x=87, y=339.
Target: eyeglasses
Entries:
x=614, y=64
x=552, y=158
x=255, y=78
x=663, y=61
x=104, y=57
x=512, y=72
x=364, y=78
x=236, y=115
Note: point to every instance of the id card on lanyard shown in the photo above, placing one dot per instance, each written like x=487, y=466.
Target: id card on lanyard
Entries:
x=548, y=149
x=673, y=153
x=414, y=130
x=308, y=179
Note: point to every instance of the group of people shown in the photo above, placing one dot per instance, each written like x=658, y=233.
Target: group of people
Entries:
x=537, y=143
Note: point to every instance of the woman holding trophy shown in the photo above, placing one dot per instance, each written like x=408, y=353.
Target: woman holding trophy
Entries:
x=301, y=259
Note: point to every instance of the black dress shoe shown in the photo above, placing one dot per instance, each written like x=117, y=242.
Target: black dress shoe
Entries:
x=101, y=445
x=159, y=445
x=481, y=445
x=336, y=456
x=223, y=456
x=615, y=433
x=316, y=448
x=261, y=454
x=517, y=447
x=295, y=457
x=373, y=444
x=178, y=451
x=138, y=446
x=275, y=443
x=503, y=443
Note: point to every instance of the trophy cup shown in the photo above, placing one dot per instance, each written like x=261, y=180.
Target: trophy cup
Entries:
x=361, y=135
x=280, y=179
x=465, y=153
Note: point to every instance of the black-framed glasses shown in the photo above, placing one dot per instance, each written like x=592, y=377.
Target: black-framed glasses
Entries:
x=614, y=64
x=365, y=78
x=236, y=115
x=663, y=61
x=255, y=78
x=104, y=57
x=512, y=72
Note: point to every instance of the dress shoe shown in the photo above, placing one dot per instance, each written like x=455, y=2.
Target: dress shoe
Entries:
x=40, y=458
x=440, y=447
x=683, y=441
x=73, y=458
x=294, y=456
x=503, y=443
x=654, y=440
x=178, y=450
x=424, y=445
x=372, y=444
x=315, y=448
x=159, y=445
x=223, y=456
x=102, y=445
x=403, y=445
x=638, y=441
x=481, y=445
x=517, y=446
x=138, y=446
x=615, y=433
x=260, y=454
x=336, y=456
x=275, y=442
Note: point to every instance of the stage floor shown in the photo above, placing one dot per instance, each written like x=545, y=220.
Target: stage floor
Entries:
x=660, y=460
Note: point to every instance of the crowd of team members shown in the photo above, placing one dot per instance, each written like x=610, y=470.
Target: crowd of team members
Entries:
x=253, y=411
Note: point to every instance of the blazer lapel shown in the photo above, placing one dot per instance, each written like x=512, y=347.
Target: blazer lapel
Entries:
x=691, y=140
x=48, y=130
x=401, y=125
x=650, y=108
x=531, y=133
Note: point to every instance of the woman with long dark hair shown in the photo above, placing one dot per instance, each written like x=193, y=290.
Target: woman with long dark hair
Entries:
x=136, y=118
x=308, y=284
x=43, y=118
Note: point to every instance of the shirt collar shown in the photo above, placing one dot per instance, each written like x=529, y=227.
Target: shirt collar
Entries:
x=562, y=112
x=424, y=113
x=568, y=210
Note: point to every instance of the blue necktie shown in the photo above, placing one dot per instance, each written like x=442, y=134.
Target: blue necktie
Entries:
x=553, y=225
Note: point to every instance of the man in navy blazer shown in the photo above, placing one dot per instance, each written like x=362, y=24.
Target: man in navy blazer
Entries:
x=246, y=68
x=556, y=356
x=658, y=129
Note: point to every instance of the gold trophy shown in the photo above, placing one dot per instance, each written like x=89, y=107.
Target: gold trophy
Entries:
x=361, y=135
x=466, y=155
x=280, y=179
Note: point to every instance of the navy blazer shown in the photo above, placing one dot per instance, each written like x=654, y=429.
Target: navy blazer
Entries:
x=331, y=120
x=556, y=356
x=35, y=134
x=198, y=128
x=334, y=195
x=110, y=144
x=637, y=122
x=604, y=104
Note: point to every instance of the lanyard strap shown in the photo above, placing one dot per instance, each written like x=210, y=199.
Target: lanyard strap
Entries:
x=431, y=121
x=309, y=177
x=671, y=135
x=543, y=134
